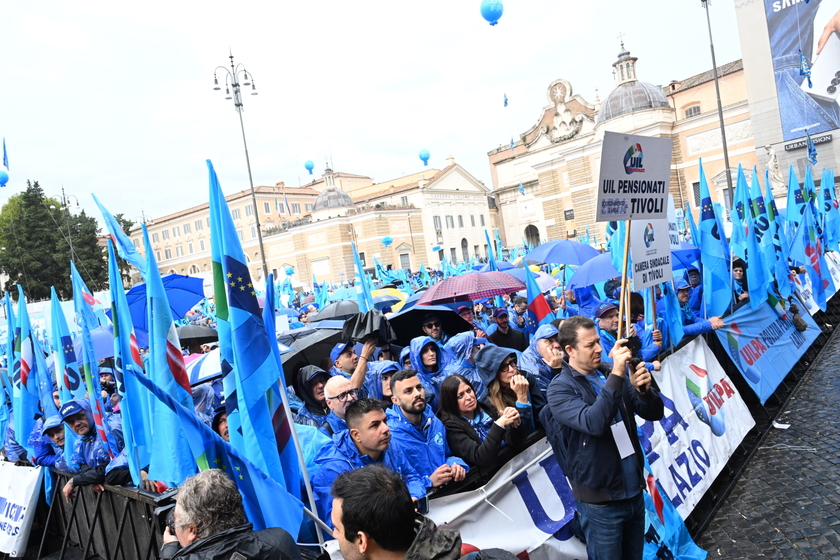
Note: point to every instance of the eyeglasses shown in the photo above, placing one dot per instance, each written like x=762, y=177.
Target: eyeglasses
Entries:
x=508, y=365
x=342, y=397
x=434, y=325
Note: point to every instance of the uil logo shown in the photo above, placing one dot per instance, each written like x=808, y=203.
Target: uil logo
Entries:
x=633, y=160
x=648, y=235
x=704, y=401
x=438, y=439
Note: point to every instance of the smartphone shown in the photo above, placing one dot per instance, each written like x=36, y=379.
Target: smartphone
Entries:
x=825, y=72
x=164, y=517
x=423, y=505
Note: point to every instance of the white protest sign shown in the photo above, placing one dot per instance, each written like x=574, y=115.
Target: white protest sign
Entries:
x=651, y=253
x=19, y=491
x=705, y=421
x=635, y=174
x=673, y=227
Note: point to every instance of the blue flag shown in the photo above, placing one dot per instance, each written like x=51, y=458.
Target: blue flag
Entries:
x=738, y=215
x=795, y=204
x=761, y=221
x=539, y=311
x=70, y=386
x=255, y=369
x=757, y=279
x=267, y=504
x=812, y=148
x=781, y=271
x=5, y=156
x=830, y=212
x=692, y=225
x=717, y=289
x=807, y=250
x=673, y=314
x=362, y=289
x=125, y=247
x=491, y=258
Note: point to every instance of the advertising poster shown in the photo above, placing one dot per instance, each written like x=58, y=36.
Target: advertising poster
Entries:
x=809, y=27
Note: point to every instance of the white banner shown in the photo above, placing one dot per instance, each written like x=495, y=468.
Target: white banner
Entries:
x=673, y=225
x=651, y=251
x=527, y=505
x=705, y=421
x=19, y=491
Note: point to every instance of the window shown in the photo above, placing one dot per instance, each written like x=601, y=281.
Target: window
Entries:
x=404, y=202
x=194, y=269
x=695, y=188
x=198, y=225
x=295, y=207
x=136, y=243
x=207, y=219
x=176, y=231
x=165, y=234
x=450, y=222
x=200, y=244
x=405, y=261
x=249, y=210
x=460, y=221
x=266, y=207
x=167, y=253
x=239, y=233
x=190, y=248
x=235, y=213
x=475, y=250
x=157, y=255
x=253, y=231
x=482, y=220
x=692, y=111
x=362, y=258
x=569, y=215
x=436, y=219
x=472, y=220
x=310, y=207
x=453, y=255
x=155, y=237
x=280, y=208
x=186, y=228
x=179, y=251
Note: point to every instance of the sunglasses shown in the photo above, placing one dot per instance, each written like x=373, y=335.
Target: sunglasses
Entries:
x=434, y=325
x=508, y=365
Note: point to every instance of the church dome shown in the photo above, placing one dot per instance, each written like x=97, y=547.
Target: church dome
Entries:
x=630, y=94
x=331, y=198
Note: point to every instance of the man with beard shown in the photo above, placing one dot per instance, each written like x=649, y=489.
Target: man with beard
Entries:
x=420, y=434
x=505, y=336
x=366, y=441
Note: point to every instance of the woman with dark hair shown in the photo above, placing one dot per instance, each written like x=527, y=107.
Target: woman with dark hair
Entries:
x=739, y=280
x=475, y=431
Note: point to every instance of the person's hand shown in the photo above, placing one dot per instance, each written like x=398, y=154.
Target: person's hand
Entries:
x=168, y=537
x=743, y=296
x=98, y=488
x=520, y=386
x=458, y=472
x=657, y=337
x=508, y=416
x=657, y=365
x=832, y=26
x=146, y=484
x=104, y=394
x=561, y=301
x=441, y=476
x=717, y=323
x=368, y=349
x=480, y=333
x=521, y=320
x=641, y=378
x=554, y=358
x=68, y=490
x=620, y=354
x=631, y=331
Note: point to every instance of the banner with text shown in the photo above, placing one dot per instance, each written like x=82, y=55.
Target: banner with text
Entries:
x=651, y=250
x=635, y=174
x=19, y=491
x=705, y=421
x=764, y=344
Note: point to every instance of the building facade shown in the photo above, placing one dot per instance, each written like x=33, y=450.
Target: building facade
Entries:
x=545, y=186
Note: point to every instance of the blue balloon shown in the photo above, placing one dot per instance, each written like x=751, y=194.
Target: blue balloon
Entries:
x=387, y=240
x=290, y=271
x=4, y=178
x=424, y=155
x=309, y=166
x=492, y=10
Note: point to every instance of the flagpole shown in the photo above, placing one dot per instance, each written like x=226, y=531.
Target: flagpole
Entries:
x=624, y=284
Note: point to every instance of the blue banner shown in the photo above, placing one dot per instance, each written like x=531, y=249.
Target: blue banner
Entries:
x=764, y=344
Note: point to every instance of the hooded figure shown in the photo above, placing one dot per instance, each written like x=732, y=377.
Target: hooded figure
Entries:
x=314, y=411
x=460, y=348
x=203, y=400
x=585, y=302
x=431, y=379
x=374, y=378
x=488, y=362
x=532, y=362
x=405, y=354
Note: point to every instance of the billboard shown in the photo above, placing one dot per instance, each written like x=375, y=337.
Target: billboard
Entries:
x=799, y=30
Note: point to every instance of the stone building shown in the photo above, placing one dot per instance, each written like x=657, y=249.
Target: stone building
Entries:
x=545, y=186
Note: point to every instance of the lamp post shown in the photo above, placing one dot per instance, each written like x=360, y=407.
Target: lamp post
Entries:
x=232, y=83
x=705, y=4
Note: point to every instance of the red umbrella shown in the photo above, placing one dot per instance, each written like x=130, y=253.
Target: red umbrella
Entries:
x=471, y=286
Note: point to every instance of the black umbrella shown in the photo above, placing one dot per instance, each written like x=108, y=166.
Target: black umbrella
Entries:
x=312, y=348
x=338, y=310
x=364, y=326
x=197, y=334
x=408, y=324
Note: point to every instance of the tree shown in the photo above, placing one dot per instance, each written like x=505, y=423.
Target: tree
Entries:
x=35, y=250
x=125, y=268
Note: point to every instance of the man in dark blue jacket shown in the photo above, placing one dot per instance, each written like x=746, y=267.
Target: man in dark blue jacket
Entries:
x=590, y=424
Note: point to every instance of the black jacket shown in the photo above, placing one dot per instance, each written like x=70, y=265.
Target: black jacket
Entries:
x=464, y=441
x=577, y=421
x=268, y=544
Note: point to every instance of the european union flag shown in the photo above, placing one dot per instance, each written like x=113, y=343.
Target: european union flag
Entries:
x=539, y=311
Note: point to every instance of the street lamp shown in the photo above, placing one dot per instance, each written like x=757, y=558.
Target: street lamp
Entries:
x=705, y=4
x=233, y=91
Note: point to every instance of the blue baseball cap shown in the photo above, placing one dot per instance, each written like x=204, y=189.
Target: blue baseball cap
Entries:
x=50, y=423
x=68, y=409
x=500, y=311
x=603, y=307
x=681, y=284
x=336, y=351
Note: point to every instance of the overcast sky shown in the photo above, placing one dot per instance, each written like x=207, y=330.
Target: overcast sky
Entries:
x=116, y=98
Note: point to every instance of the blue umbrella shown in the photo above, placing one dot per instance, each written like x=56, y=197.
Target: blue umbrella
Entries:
x=342, y=294
x=593, y=271
x=565, y=251
x=500, y=265
x=103, y=343
x=544, y=281
x=687, y=256
x=183, y=293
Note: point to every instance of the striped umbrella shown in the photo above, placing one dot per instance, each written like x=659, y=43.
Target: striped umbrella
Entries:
x=471, y=286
